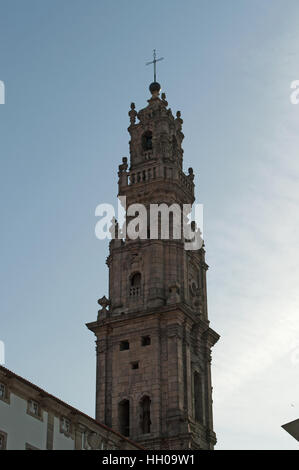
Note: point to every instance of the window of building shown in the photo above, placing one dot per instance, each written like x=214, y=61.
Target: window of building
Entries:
x=3, y=440
x=145, y=340
x=2, y=391
x=145, y=415
x=135, y=285
x=65, y=425
x=198, y=397
x=124, y=345
x=135, y=365
x=124, y=417
x=147, y=141
x=33, y=408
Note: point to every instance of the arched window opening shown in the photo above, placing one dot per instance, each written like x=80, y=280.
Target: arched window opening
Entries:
x=198, y=397
x=145, y=415
x=147, y=141
x=135, y=285
x=124, y=417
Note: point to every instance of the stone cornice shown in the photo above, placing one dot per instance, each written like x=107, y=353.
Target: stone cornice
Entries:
x=125, y=318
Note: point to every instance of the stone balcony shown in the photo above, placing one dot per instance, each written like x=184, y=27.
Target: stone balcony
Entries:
x=156, y=172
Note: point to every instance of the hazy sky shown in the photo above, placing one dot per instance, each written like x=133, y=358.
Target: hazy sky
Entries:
x=71, y=69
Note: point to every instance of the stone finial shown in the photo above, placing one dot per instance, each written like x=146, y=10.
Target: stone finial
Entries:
x=117, y=233
x=163, y=96
x=104, y=303
x=113, y=229
x=191, y=174
x=124, y=165
x=122, y=173
x=132, y=114
x=179, y=121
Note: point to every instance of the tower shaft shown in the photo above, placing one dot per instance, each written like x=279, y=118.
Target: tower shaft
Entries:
x=154, y=342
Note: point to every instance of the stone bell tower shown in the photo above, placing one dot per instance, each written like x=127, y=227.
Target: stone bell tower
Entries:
x=152, y=333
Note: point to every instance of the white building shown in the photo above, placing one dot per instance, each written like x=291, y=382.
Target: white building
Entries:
x=32, y=419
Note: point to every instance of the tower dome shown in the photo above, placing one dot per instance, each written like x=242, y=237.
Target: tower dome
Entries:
x=155, y=88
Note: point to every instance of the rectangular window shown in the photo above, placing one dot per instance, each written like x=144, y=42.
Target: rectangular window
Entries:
x=33, y=408
x=135, y=365
x=145, y=340
x=124, y=345
x=2, y=391
x=3, y=440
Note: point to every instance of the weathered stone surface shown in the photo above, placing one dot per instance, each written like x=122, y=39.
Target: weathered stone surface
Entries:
x=166, y=301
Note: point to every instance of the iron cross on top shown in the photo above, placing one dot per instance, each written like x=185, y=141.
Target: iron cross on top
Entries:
x=154, y=62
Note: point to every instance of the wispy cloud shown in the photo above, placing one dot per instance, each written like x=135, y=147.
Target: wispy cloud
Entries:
x=258, y=300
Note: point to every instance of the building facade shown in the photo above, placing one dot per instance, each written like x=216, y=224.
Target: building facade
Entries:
x=32, y=419
x=153, y=339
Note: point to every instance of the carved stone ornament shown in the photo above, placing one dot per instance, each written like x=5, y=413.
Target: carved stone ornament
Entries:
x=124, y=165
x=174, y=294
x=104, y=303
x=132, y=114
x=179, y=121
x=94, y=440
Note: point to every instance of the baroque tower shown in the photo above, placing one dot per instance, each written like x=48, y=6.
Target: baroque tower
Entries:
x=153, y=339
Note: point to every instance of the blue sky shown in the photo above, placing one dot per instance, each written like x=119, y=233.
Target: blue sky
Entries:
x=71, y=69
